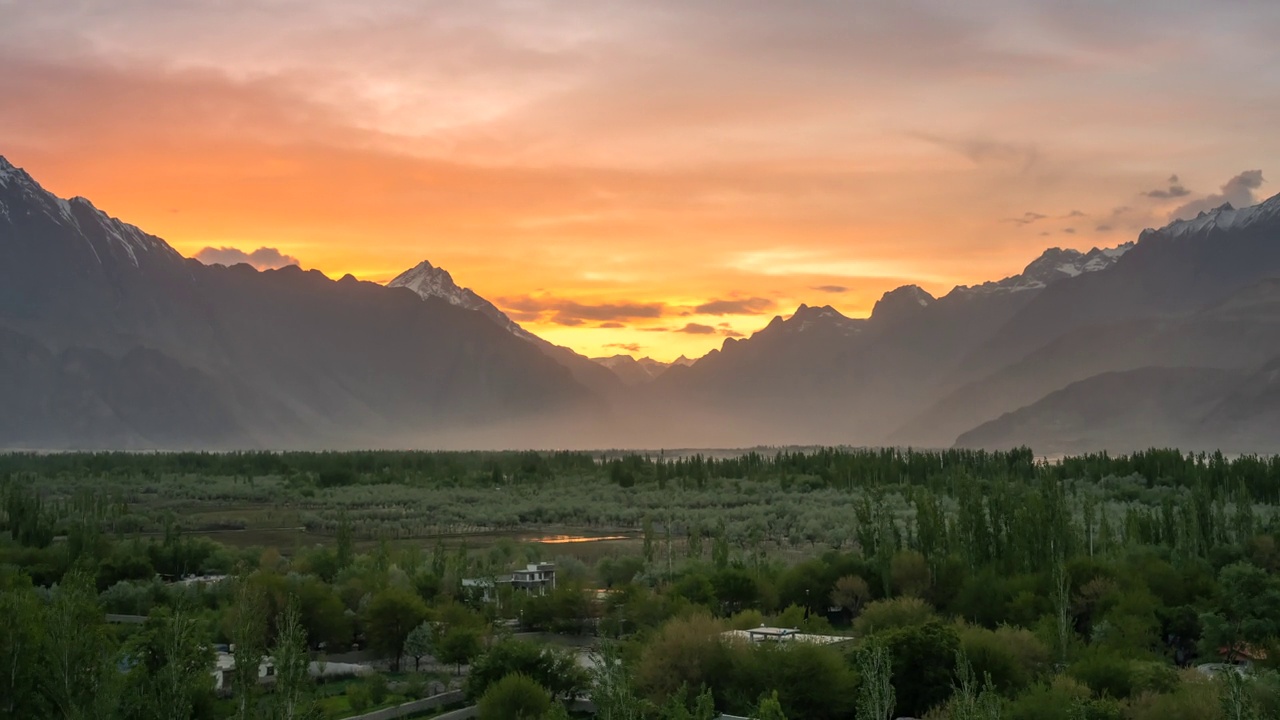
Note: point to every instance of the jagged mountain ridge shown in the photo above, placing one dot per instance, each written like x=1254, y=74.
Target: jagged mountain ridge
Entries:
x=287, y=358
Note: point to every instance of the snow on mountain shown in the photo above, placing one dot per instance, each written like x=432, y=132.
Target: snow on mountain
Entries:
x=429, y=281
x=633, y=371
x=1223, y=218
x=1053, y=265
x=103, y=234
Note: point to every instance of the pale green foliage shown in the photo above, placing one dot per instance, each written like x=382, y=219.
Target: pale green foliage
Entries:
x=1237, y=704
x=613, y=691
x=769, y=708
x=292, y=698
x=419, y=643
x=971, y=701
x=248, y=619
x=876, y=695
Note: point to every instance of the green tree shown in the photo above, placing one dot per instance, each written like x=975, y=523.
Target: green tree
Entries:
x=613, y=691
x=458, y=644
x=248, y=619
x=21, y=639
x=1248, y=611
x=554, y=670
x=875, y=696
x=923, y=660
x=418, y=643
x=969, y=701
x=850, y=592
x=769, y=708
x=514, y=697
x=171, y=668
x=293, y=698
x=78, y=652
x=389, y=618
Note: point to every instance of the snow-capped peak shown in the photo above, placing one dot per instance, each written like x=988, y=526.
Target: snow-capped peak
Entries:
x=429, y=281
x=1053, y=265
x=10, y=173
x=433, y=282
x=1225, y=217
x=105, y=236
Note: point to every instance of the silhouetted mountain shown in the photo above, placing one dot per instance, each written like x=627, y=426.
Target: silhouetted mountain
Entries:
x=433, y=282
x=1115, y=411
x=147, y=348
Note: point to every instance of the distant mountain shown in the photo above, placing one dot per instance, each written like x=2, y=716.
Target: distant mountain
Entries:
x=110, y=338
x=832, y=378
x=433, y=282
x=1196, y=293
x=430, y=282
x=637, y=371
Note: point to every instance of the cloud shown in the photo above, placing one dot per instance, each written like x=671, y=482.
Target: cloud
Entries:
x=696, y=329
x=629, y=347
x=1175, y=190
x=264, y=258
x=1026, y=219
x=830, y=288
x=1074, y=214
x=744, y=306
x=571, y=313
x=983, y=151
x=610, y=325
x=731, y=334
x=1103, y=228
x=1070, y=231
x=1239, y=191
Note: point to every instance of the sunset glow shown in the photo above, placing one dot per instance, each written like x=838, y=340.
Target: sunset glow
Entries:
x=646, y=178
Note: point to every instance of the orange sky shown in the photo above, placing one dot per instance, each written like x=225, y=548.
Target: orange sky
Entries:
x=645, y=177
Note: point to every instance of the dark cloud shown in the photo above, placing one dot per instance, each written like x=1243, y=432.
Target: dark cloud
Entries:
x=1175, y=190
x=264, y=258
x=731, y=333
x=744, y=306
x=1103, y=228
x=831, y=288
x=573, y=314
x=1026, y=219
x=1074, y=214
x=610, y=325
x=1070, y=231
x=1239, y=191
x=696, y=329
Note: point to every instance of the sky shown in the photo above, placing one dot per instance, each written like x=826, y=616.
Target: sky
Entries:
x=646, y=177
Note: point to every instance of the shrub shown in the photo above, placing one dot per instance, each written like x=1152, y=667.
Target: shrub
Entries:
x=358, y=696
x=893, y=613
x=1105, y=673
x=514, y=697
x=377, y=688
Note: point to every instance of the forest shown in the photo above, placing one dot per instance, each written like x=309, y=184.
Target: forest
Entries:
x=948, y=584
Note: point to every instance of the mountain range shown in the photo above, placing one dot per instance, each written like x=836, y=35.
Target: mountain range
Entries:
x=109, y=338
